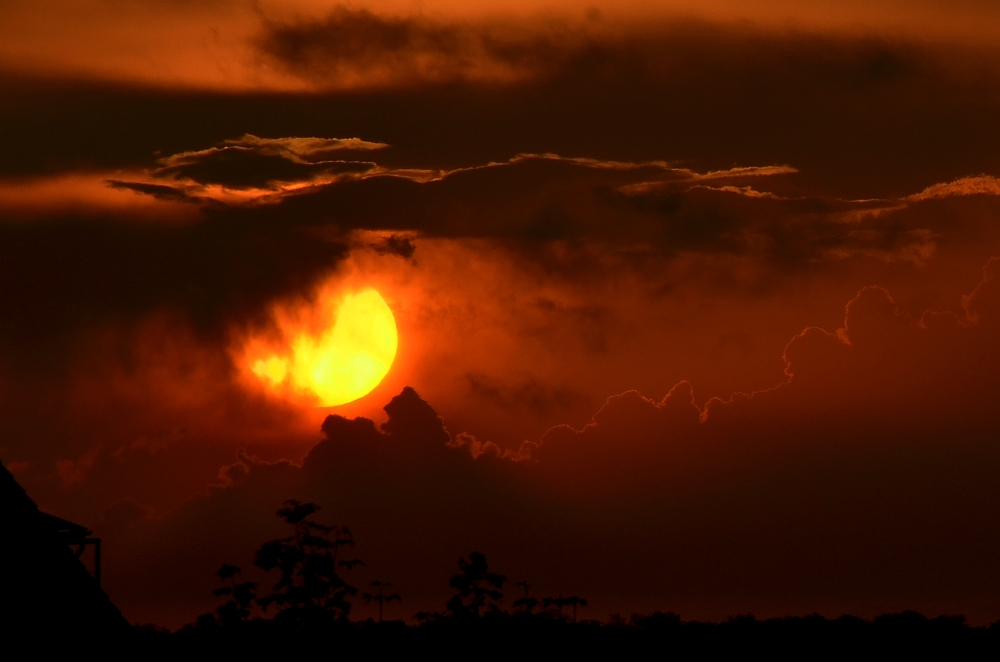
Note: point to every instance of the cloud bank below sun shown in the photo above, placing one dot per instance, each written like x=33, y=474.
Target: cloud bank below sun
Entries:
x=557, y=205
x=714, y=505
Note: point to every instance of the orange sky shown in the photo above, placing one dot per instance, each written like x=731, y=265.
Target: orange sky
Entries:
x=713, y=284
x=213, y=45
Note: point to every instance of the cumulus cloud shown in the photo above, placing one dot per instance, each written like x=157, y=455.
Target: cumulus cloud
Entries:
x=838, y=490
x=584, y=214
x=981, y=185
x=564, y=222
x=587, y=255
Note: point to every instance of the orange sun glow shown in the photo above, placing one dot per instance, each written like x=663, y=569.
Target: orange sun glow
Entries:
x=341, y=363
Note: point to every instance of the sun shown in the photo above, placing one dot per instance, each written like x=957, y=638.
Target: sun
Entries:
x=342, y=363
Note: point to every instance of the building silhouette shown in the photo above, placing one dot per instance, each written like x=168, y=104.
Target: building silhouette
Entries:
x=47, y=595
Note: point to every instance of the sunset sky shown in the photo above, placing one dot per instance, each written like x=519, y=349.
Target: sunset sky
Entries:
x=695, y=306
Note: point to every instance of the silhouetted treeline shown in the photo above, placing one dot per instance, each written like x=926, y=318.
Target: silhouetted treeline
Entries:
x=310, y=604
x=662, y=634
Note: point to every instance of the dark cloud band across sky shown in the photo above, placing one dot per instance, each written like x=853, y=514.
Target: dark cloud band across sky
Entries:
x=716, y=506
x=617, y=246
x=906, y=115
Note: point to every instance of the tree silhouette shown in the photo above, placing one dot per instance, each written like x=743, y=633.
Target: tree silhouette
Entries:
x=560, y=602
x=237, y=609
x=477, y=587
x=381, y=598
x=310, y=588
x=527, y=604
x=575, y=602
x=547, y=603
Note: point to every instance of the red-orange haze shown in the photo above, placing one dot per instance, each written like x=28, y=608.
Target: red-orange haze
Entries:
x=674, y=306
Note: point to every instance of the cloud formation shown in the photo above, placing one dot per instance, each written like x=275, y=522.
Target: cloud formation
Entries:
x=647, y=206
x=862, y=116
x=64, y=273
x=862, y=484
x=252, y=162
x=356, y=47
x=555, y=210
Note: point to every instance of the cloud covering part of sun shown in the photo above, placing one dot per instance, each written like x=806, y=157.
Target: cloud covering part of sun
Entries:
x=556, y=208
x=719, y=493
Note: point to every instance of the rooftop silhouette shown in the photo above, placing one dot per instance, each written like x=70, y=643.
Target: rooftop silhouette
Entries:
x=49, y=595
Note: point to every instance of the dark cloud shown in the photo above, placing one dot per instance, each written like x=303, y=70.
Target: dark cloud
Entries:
x=650, y=208
x=59, y=276
x=396, y=245
x=579, y=218
x=125, y=514
x=252, y=162
x=530, y=396
x=403, y=472
x=349, y=41
x=238, y=168
x=860, y=117
x=863, y=484
x=158, y=191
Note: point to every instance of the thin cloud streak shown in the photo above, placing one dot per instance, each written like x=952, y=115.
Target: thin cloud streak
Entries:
x=629, y=200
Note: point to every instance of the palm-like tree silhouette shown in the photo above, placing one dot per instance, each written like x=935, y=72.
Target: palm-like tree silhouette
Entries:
x=575, y=602
x=310, y=587
x=381, y=598
x=477, y=587
x=527, y=604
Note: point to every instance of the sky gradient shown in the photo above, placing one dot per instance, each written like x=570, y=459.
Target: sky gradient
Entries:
x=698, y=307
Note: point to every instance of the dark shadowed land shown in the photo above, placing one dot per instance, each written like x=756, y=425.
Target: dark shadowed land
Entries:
x=315, y=604
x=52, y=602
x=313, y=601
x=666, y=634
x=696, y=311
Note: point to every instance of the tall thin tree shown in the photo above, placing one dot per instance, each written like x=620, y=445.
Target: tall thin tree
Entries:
x=381, y=598
x=527, y=603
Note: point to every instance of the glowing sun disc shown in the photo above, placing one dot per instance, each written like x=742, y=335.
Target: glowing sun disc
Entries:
x=345, y=362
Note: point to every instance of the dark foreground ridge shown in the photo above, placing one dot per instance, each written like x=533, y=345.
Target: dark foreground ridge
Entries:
x=504, y=635
x=50, y=601
x=312, y=600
